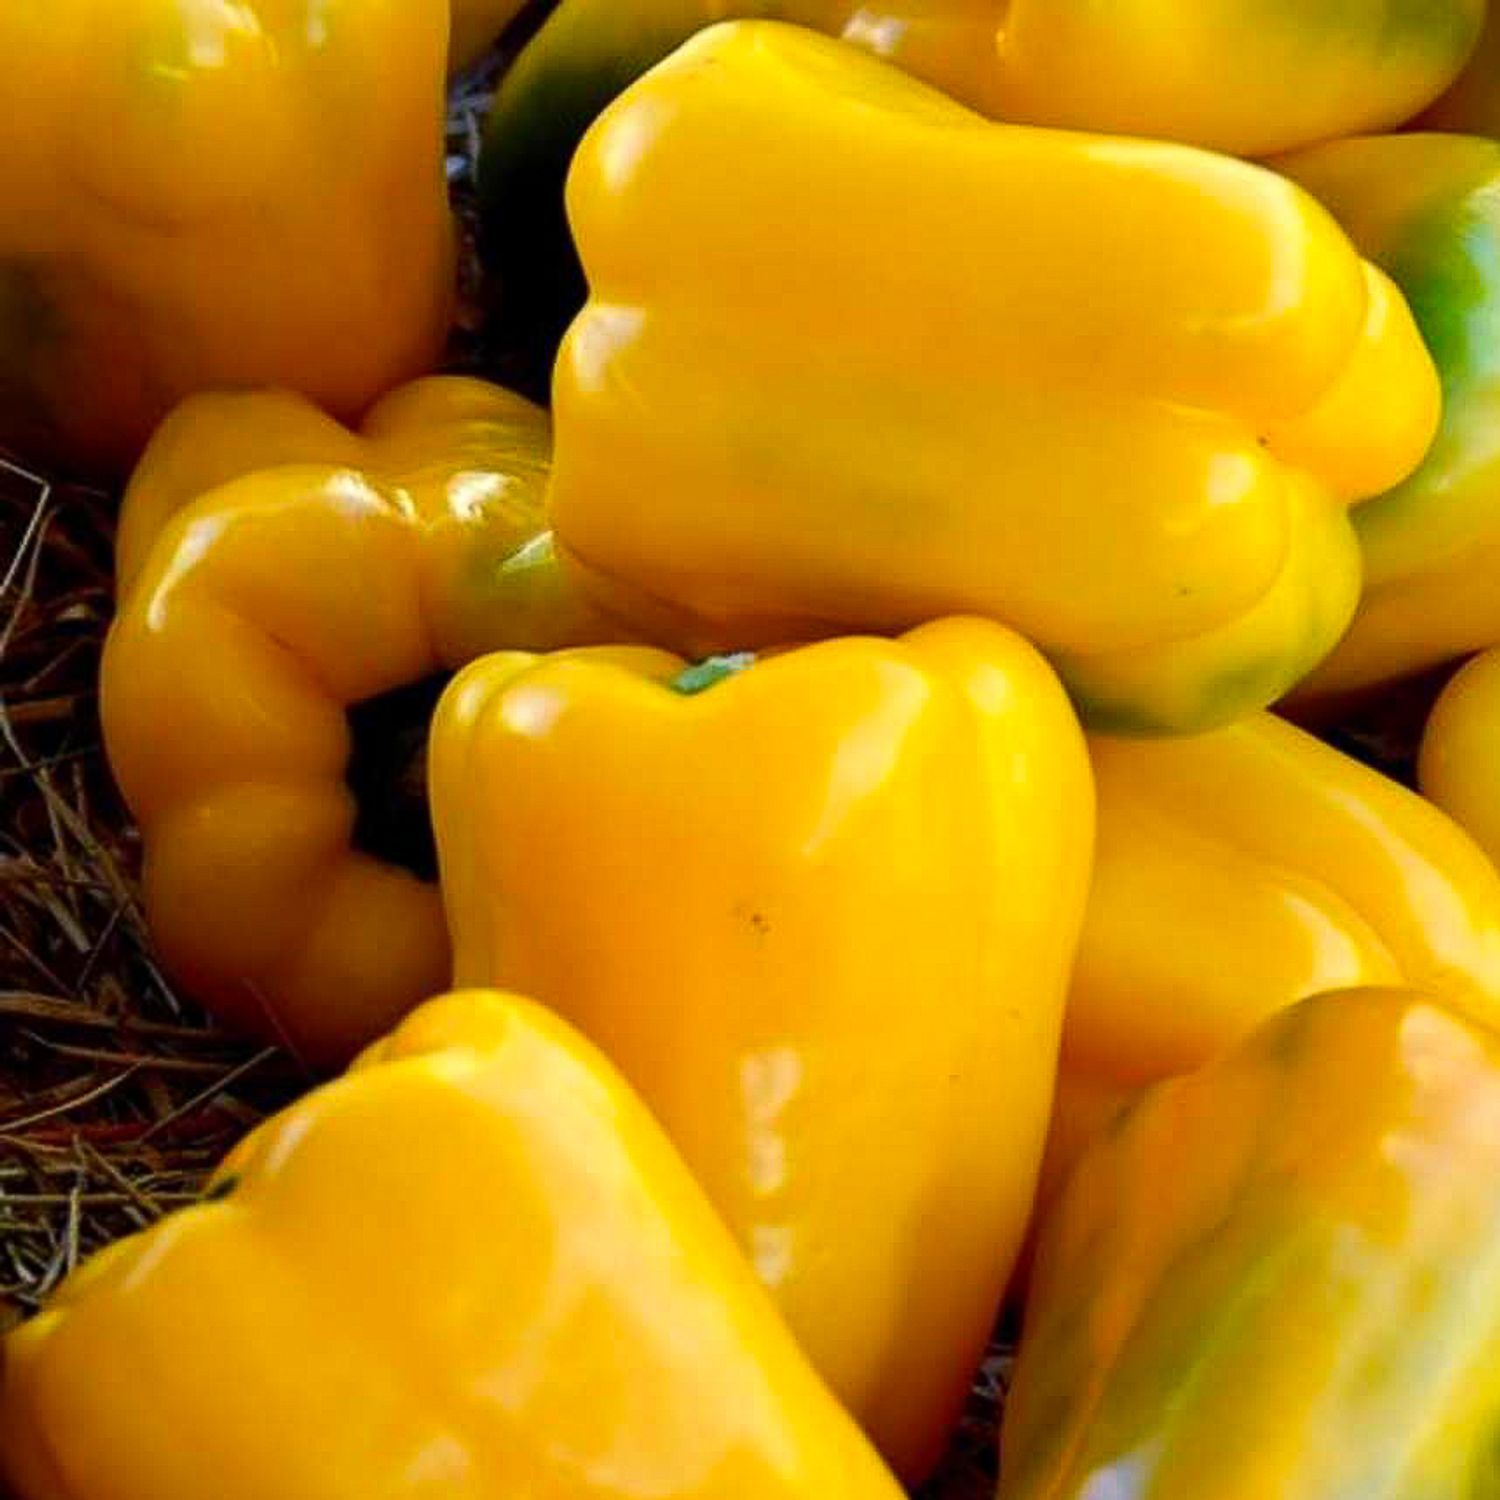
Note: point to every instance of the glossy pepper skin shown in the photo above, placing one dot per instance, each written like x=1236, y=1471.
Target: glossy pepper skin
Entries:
x=1277, y=1276
x=473, y=1267
x=1237, y=873
x=275, y=569
x=1459, y=764
x=820, y=912
x=215, y=195
x=1426, y=208
x=1472, y=105
x=762, y=436
x=1248, y=77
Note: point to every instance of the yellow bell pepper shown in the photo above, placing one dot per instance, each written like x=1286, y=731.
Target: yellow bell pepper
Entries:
x=1136, y=445
x=476, y=25
x=1459, y=763
x=1427, y=209
x=200, y=195
x=820, y=910
x=277, y=569
x=1472, y=105
x=1239, y=872
x=1277, y=1278
x=1248, y=77
x=472, y=1268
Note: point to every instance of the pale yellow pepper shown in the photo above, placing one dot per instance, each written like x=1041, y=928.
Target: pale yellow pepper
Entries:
x=1239, y=872
x=820, y=909
x=277, y=569
x=884, y=372
x=473, y=1268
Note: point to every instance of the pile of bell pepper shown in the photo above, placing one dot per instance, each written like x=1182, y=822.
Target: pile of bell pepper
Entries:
x=849, y=739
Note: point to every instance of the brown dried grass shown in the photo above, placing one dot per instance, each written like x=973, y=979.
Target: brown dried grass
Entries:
x=115, y=1095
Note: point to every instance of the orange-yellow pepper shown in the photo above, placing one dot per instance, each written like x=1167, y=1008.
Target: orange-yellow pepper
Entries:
x=277, y=569
x=820, y=910
x=1248, y=77
x=1135, y=445
x=1472, y=105
x=1277, y=1279
x=1241, y=871
x=1426, y=208
x=1459, y=763
x=211, y=194
x=472, y=1268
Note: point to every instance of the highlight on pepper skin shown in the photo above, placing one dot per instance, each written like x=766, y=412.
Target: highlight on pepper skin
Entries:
x=768, y=438
x=834, y=966
x=278, y=570
x=541, y=1304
